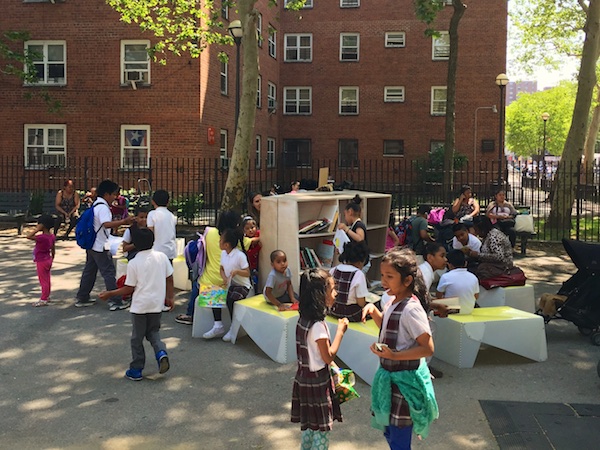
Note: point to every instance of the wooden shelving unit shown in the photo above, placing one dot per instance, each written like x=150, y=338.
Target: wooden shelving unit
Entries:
x=282, y=214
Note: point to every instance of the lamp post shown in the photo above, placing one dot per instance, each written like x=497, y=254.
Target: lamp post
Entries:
x=545, y=117
x=501, y=81
x=494, y=110
x=236, y=32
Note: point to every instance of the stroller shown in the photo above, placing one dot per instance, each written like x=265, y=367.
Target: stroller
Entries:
x=582, y=306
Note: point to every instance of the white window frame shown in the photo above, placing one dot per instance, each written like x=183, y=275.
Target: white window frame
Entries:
x=393, y=155
x=271, y=153
x=125, y=147
x=272, y=97
x=45, y=63
x=224, y=77
x=349, y=3
x=440, y=46
x=223, y=155
x=259, y=92
x=438, y=106
x=127, y=74
x=308, y=4
x=298, y=101
x=224, y=10
x=272, y=41
x=343, y=103
x=259, y=36
x=53, y=154
x=348, y=49
x=395, y=39
x=298, y=47
x=393, y=94
x=258, y=156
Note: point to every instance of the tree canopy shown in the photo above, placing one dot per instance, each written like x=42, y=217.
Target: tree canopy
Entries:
x=524, y=124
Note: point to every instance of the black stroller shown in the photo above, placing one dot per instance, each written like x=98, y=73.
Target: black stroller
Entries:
x=582, y=290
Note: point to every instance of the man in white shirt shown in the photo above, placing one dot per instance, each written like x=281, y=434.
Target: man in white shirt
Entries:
x=98, y=258
x=458, y=282
x=162, y=223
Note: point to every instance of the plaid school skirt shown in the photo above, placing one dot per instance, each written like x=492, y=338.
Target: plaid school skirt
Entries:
x=400, y=412
x=314, y=404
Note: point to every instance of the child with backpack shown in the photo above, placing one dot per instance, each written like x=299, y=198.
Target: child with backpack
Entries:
x=195, y=258
x=43, y=254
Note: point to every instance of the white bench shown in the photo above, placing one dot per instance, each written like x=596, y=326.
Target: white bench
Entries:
x=273, y=331
x=518, y=297
x=458, y=337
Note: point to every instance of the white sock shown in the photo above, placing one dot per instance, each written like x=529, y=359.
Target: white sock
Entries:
x=218, y=324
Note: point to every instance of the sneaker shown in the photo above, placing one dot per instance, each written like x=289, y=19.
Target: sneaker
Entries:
x=227, y=337
x=184, y=319
x=80, y=303
x=214, y=332
x=435, y=373
x=116, y=306
x=134, y=374
x=166, y=308
x=163, y=361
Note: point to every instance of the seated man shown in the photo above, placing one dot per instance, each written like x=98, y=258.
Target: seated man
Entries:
x=465, y=241
x=457, y=282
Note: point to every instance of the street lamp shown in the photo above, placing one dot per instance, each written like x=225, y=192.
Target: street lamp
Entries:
x=494, y=110
x=501, y=81
x=545, y=117
x=236, y=32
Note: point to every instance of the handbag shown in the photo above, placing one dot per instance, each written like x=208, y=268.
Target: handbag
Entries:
x=512, y=277
x=211, y=296
x=343, y=380
x=524, y=223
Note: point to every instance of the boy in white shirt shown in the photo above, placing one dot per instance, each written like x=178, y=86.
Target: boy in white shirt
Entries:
x=150, y=280
x=462, y=238
x=435, y=259
x=458, y=282
x=162, y=223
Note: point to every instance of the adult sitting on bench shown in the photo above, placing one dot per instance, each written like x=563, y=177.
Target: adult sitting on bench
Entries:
x=495, y=256
x=67, y=207
x=502, y=215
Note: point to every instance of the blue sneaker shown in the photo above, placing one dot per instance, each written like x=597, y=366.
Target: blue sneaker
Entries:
x=134, y=374
x=163, y=361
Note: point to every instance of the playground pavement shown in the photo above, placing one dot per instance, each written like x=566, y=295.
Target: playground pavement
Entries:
x=62, y=384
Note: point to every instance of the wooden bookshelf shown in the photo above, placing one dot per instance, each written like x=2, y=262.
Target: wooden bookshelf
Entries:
x=281, y=215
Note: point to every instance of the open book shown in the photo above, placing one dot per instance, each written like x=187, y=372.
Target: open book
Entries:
x=451, y=302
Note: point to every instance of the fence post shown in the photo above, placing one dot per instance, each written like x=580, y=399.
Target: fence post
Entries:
x=578, y=197
x=85, y=174
x=216, y=188
x=150, y=173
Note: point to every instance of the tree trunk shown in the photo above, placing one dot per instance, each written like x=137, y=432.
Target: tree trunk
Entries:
x=450, y=138
x=237, y=178
x=592, y=134
x=563, y=188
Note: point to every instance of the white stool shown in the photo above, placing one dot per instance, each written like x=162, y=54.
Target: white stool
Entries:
x=181, y=279
x=518, y=297
x=204, y=320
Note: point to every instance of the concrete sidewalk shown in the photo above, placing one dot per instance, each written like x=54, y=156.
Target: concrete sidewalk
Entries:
x=62, y=384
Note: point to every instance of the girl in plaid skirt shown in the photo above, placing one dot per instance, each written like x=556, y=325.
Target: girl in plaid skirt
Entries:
x=402, y=397
x=314, y=404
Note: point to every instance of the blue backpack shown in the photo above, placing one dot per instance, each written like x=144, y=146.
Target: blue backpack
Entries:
x=85, y=234
x=195, y=255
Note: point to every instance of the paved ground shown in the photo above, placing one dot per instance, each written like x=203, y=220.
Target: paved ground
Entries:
x=62, y=385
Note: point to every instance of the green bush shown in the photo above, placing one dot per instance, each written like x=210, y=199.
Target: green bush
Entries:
x=187, y=207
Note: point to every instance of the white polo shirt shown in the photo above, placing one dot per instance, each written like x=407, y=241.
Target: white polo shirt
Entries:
x=319, y=330
x=462, y=284
x=102, y=215
x=413, y=323
x=148, y=273
x=474, y=243
x=163, y=222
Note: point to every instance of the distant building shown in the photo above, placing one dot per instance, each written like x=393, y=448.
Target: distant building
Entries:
x=515, y=87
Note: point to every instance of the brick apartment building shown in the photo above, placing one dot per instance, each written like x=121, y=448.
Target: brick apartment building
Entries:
x=344, y=80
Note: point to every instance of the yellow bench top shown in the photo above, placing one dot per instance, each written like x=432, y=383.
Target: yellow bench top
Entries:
x=260, y=303
x=490, y=314
x=369, y=327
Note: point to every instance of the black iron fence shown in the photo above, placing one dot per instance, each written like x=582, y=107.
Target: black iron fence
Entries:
x=196, y=185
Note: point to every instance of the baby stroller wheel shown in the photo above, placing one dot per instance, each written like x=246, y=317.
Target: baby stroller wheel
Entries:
x=585, y=331
x=595, y=338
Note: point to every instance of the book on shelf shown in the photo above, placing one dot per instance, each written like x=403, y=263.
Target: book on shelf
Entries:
x=310, y=259
x=315, y=258
x=308, y=225
x=324, y=226
x=303, y=264
x=334, y=221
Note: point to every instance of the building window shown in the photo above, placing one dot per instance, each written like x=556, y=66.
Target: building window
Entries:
x=348, y=100
x=395, y=39
x=349, y=45
x=225, y=9
x=438, y=100
x=272, y=97
x=259, y=92
x=45, y=146
x=393, y=147
x=349, y=3
x=440, y=46
x=272, y=42
x=393, y=94
x=259, y=29
x=488, y=145
x=135, y=146
x=224, y=77
x=298, y=47
x=296, y=152
x=270, y=153
x=307, y=4
x=135, y=62
x=258, y=145
x=49, y=60
x=223, y=150
x=298, y=100
x=348, y=153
